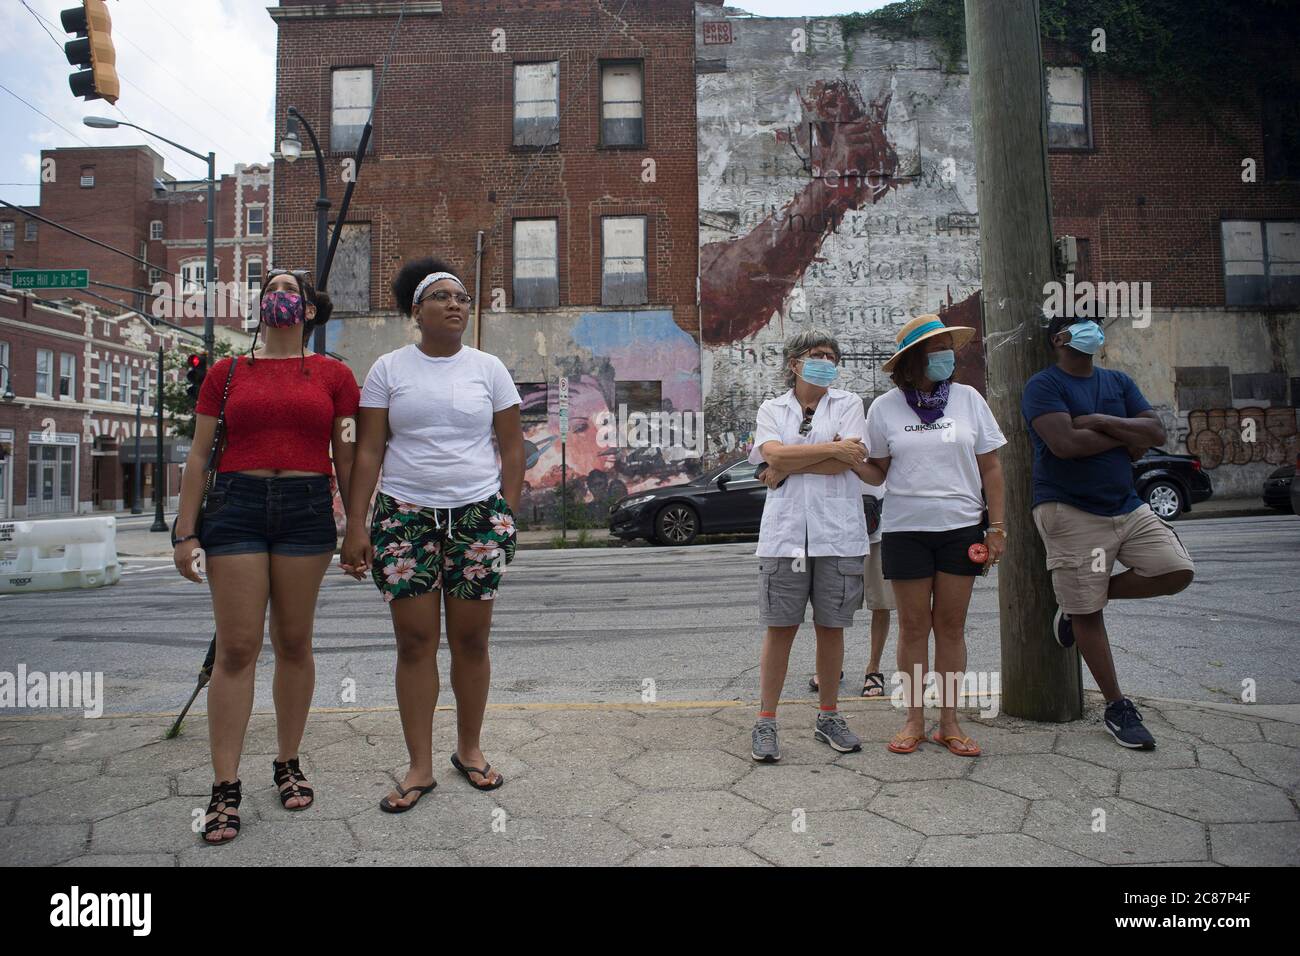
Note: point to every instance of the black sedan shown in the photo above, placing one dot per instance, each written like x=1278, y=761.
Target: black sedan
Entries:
x=726, y=500
x=1170, y=483
x=1277, y=488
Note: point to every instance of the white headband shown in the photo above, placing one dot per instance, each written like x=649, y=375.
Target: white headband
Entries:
x=429, y=280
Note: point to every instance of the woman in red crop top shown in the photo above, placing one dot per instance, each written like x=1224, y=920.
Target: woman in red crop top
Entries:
x=267, y=534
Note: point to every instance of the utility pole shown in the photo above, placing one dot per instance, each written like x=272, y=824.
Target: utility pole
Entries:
x=1040, y=681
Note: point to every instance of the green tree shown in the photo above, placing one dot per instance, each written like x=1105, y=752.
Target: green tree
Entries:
x=176, y=403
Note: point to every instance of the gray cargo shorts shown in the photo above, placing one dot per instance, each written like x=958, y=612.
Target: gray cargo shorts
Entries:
x=833, y=584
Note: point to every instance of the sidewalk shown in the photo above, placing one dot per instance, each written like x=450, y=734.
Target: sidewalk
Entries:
x=671, y=785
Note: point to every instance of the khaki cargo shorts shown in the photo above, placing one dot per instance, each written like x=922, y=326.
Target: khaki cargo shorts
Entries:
x=1082, y=548
x=833, y=585
x=879, y=593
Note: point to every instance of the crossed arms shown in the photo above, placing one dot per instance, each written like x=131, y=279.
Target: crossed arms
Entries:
x=822, y=458
x=1086, y=435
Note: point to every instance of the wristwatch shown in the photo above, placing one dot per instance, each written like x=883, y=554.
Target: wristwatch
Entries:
x=184, y=538
x=1000, y=531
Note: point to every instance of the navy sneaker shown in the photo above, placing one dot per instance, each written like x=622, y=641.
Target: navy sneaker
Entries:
x=1125, y=724
x=1062, y=629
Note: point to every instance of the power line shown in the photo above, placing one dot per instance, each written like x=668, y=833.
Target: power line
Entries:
x=103, y=245
x=50, y=118
x=178, y=79
x=187, y=39
x=42, y=21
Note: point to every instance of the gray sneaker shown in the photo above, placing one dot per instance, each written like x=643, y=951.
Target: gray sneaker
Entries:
x=832, y=729
x=765, y=746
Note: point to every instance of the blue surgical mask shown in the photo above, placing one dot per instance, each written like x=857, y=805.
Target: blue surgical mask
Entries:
x=940, y=365
x=820, y=372
x=1086, y=337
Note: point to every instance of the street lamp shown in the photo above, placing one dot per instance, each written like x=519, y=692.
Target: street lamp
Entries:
x=291, y=149
x=136, y=508
x=209, y=333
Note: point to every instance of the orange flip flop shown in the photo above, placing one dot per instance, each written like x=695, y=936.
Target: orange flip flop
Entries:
x=972, y=750
x=905, y=743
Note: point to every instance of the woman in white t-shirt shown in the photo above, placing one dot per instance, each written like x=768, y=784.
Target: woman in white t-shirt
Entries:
x=443, y=525
x=937, y=442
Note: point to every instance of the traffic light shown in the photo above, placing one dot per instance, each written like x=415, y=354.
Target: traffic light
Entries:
x=198, y=368
x=93, y=53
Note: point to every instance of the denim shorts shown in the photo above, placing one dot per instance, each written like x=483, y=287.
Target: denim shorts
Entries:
x=248, y=515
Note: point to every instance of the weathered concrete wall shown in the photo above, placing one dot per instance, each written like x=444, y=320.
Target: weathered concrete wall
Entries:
x=837, y=190
x=1209, y=372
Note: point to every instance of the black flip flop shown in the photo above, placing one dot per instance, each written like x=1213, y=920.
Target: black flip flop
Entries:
x=812, y=682
x=483, y=772
x=388, y=807
x=874, y=679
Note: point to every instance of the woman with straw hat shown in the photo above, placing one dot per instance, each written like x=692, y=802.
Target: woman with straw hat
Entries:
x=937, y=442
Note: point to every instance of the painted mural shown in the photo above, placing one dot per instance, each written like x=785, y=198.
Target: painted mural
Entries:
x=611, y=451
x=837, y=190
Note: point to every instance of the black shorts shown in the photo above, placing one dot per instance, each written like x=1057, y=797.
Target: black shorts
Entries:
x=245, y=514
x=911, y=555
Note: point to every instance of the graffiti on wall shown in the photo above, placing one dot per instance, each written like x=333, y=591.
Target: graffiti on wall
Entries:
x=789, y=242
x=1241, y=436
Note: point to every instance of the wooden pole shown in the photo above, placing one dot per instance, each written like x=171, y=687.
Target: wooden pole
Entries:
x=1040, y=680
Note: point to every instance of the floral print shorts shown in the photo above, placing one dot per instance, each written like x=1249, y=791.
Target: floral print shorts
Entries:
x=463, y=550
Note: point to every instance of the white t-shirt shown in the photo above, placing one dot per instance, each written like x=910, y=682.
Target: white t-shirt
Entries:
x=440, y=452
x=822, y=513
x=934, y=479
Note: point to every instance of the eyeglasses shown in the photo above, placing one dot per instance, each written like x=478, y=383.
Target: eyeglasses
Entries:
x=298, y=274
x=806, y=427
x=443, y=296
x=826, y=356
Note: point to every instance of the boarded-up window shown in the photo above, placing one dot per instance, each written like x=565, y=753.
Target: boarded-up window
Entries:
x=1261, y=262
x=351, y=107
x=1067, y=108
x=623, y=277
x=621, y=108
x=537, y=104
x=537, y=283
x=643, y=397
x=349, y=280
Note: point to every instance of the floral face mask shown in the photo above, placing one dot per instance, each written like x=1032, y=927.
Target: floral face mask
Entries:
x=283, y=309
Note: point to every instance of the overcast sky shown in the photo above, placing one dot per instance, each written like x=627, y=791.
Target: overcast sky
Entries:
x=200, y=72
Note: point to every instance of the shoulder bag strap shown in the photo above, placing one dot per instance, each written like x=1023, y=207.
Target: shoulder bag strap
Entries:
x=219, y=433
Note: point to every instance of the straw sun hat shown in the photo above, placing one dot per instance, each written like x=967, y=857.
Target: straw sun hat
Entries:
x=926, y=327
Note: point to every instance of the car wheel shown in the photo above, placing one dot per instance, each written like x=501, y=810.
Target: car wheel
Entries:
x=677, y=524
x=1166, y=500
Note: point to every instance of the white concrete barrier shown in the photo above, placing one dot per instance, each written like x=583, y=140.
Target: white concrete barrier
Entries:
x=88, y=558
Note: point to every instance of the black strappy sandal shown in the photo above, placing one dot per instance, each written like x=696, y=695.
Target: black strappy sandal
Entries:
x=289, y=772
x=389, y=807
x=225, y=796
x=481, y=771
x=875, y=680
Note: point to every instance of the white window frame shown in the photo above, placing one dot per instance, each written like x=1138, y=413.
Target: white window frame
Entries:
x=87, y=182
x=156, y=229
x=6, y=370
x=45, y=368
x=8, y=235
x=105, y=381
x=193, y=276
x=248, y=219
x=68, y=371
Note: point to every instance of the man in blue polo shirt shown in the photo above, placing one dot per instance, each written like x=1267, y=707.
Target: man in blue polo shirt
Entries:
x=1087, y=424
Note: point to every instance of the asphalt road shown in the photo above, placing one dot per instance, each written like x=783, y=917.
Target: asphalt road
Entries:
x=593, y=625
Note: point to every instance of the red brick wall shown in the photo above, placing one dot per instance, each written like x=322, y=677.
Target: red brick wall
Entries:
x=443, y=165
x=1150, y=194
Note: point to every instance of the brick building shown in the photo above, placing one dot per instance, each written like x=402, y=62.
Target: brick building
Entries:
x=70, y=382
x=1153, y=195
x=1168, y=199
x=122, y=196
x=560, y=136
